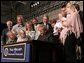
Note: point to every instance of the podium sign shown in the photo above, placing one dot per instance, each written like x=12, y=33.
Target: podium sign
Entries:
x=32, y=51
x=14, y=52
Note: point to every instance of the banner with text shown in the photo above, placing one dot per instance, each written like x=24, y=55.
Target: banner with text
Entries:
x=14, y=52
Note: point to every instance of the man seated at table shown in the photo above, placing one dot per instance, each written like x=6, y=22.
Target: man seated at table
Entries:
x=45, y=35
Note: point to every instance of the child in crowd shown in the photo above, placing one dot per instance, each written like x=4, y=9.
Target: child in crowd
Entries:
x=11, y=37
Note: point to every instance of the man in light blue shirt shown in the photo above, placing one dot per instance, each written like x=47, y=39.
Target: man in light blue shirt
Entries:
x=19, y=26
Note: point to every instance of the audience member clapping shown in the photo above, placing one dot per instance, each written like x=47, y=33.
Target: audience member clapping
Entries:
x=29, y=30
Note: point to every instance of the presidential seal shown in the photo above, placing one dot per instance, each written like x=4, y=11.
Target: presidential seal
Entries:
x=6, y=51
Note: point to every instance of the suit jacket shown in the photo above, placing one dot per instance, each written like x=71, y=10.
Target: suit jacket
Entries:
x=4, y=35
x=34, y=27
x=50, y=27
x=81, y=15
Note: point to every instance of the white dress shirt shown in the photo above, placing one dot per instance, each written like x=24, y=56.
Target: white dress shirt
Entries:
x=57, y=26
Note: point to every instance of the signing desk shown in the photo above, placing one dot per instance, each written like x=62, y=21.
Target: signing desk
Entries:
x=32, y=51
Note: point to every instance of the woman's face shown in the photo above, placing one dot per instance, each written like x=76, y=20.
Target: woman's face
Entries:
x=29, y=27
x=60, y=16
x=68, y=10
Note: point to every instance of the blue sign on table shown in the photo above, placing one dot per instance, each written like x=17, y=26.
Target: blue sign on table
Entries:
x=16, y=52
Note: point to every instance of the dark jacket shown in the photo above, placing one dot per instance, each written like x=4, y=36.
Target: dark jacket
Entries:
x=4, y=35
x=11, y=41
x=50, y=27
x=81, y=15
x=48, y=37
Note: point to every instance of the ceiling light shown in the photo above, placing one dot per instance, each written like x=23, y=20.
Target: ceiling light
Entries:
x=37, y=2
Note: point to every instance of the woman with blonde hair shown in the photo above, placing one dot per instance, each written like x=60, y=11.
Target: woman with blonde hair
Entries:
x=74, y=21
x=72, y=33
x=22, y=36
x=29, y=30
x=11, y=37
x=37, y=31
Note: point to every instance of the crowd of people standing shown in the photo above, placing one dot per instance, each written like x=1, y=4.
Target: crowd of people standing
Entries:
x=67, y=29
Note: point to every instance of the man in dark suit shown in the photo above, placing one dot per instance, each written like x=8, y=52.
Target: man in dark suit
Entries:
x=4, y=32
x=45, y=35
x=34, y=22
x=47, y=24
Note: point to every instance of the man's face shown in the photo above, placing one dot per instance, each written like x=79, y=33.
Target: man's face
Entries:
x=63, y=10
x=41, y=30
x=34, y=21
x=45, y=19
x=9, y=25
x=19, y=20
x=29, y=26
